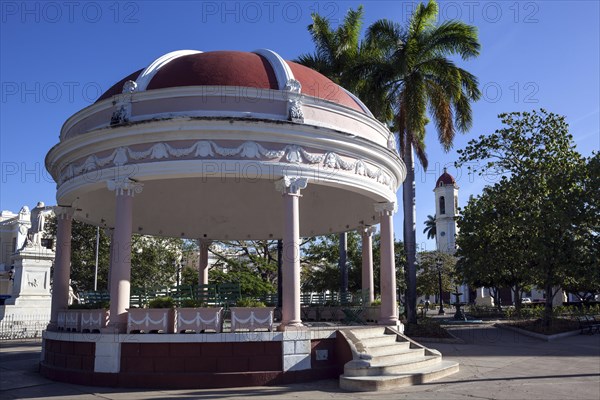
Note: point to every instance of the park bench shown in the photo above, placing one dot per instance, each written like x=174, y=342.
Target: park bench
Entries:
x=588, y=324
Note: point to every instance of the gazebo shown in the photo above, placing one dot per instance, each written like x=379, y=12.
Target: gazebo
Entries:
x=215, y=146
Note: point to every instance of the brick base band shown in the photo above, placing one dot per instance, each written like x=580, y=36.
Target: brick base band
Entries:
x=189, y=365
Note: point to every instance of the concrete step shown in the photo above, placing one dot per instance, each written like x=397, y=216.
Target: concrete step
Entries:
x=397, y=357
x=390, y=382
x=367, y=332
x=407, y=365
x=381, y=340
x=397, y=347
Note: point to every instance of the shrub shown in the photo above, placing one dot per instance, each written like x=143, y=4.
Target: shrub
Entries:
x=192, y=303
x=249, y=302
x=161, y=302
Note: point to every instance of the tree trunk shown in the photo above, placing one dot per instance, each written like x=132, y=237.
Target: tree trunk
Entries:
x=517, y=295
x=410, y=238
x=548, y=307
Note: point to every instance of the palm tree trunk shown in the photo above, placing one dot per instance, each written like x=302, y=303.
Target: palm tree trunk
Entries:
x=410, y=236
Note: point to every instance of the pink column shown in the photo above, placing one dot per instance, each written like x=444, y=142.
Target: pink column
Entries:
x=120, y=263
x=203, y=262
x=290, y=307
x=367, y=264
x=62, y=264
x=388, y=314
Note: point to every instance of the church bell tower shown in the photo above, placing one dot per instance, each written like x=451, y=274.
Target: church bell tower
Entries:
x=446, y=200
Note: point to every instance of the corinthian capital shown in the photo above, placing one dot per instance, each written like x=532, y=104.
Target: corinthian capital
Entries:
x=124, y=187
x=387, y=208
x=291, y=184
x=63, y=212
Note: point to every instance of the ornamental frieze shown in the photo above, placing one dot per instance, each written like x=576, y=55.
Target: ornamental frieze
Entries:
x=208, y=149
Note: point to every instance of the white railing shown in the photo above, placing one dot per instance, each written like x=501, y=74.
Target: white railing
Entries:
x=23, y=326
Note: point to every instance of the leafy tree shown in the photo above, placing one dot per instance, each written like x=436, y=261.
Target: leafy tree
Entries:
x=413, y=66
x=584, y=279
x=430, y=227
x=428, y=272
x=320, y=270
x=320, y=263
x=83, y=255
x=548, y=178
x=494, y=245
x=153, y=259
x=252, y=263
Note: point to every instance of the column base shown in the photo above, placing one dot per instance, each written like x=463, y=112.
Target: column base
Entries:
x=114, y=328
x=292, y=326
x=52, y=327
x=391, y=321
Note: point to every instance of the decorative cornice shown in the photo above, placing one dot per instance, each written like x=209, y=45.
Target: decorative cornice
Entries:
x=208, y=149
x=124, y=187
x=387, y=208
x=291, y=185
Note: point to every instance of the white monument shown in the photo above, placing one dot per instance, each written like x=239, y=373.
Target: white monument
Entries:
x=25, y=266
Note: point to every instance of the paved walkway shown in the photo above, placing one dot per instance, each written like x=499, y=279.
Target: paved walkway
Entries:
x=494, y=364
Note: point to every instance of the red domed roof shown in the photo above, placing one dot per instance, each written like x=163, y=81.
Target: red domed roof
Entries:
x=445, y=179
x=235, y=68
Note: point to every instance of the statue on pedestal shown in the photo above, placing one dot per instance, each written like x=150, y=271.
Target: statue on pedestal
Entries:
x=38, y=223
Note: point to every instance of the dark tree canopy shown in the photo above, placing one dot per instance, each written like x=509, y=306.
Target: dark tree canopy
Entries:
x=543, y=212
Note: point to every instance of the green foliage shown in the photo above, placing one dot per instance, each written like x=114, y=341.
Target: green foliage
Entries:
x=189, y=275
x=376, y=303
x=430, y=227
x=493, y=246
x=414, y=67
x=153, y=259
x=249, y=302
x=161, y=302
x=191, y=303
x=320, y=271
x=83, y=255
x=340, y=55
x=428, y=276
x=541, y=220
x=104, y=305
x=245, y=272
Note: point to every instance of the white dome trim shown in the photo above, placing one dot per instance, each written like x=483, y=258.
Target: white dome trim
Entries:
x=143, y=80
x=282, y=70
x=360, y=103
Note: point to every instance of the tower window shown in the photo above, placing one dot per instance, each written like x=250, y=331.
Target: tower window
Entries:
x=442, y=205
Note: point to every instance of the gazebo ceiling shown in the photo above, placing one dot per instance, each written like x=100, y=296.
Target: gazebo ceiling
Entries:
x=209, y=134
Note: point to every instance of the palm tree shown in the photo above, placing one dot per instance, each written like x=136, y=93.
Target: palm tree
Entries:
x=337, y=56
x=413, y=66
x=430, y=228
x=400, y=74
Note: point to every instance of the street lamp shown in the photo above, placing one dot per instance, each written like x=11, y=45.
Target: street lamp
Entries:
x=439, y=263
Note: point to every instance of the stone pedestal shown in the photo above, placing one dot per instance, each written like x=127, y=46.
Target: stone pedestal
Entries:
x=31, y=285
x=27, y=312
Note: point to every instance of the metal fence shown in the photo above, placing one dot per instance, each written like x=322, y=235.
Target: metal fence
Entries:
x=23, y=326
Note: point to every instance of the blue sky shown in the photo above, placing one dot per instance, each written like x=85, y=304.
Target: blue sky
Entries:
x=57, y=57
